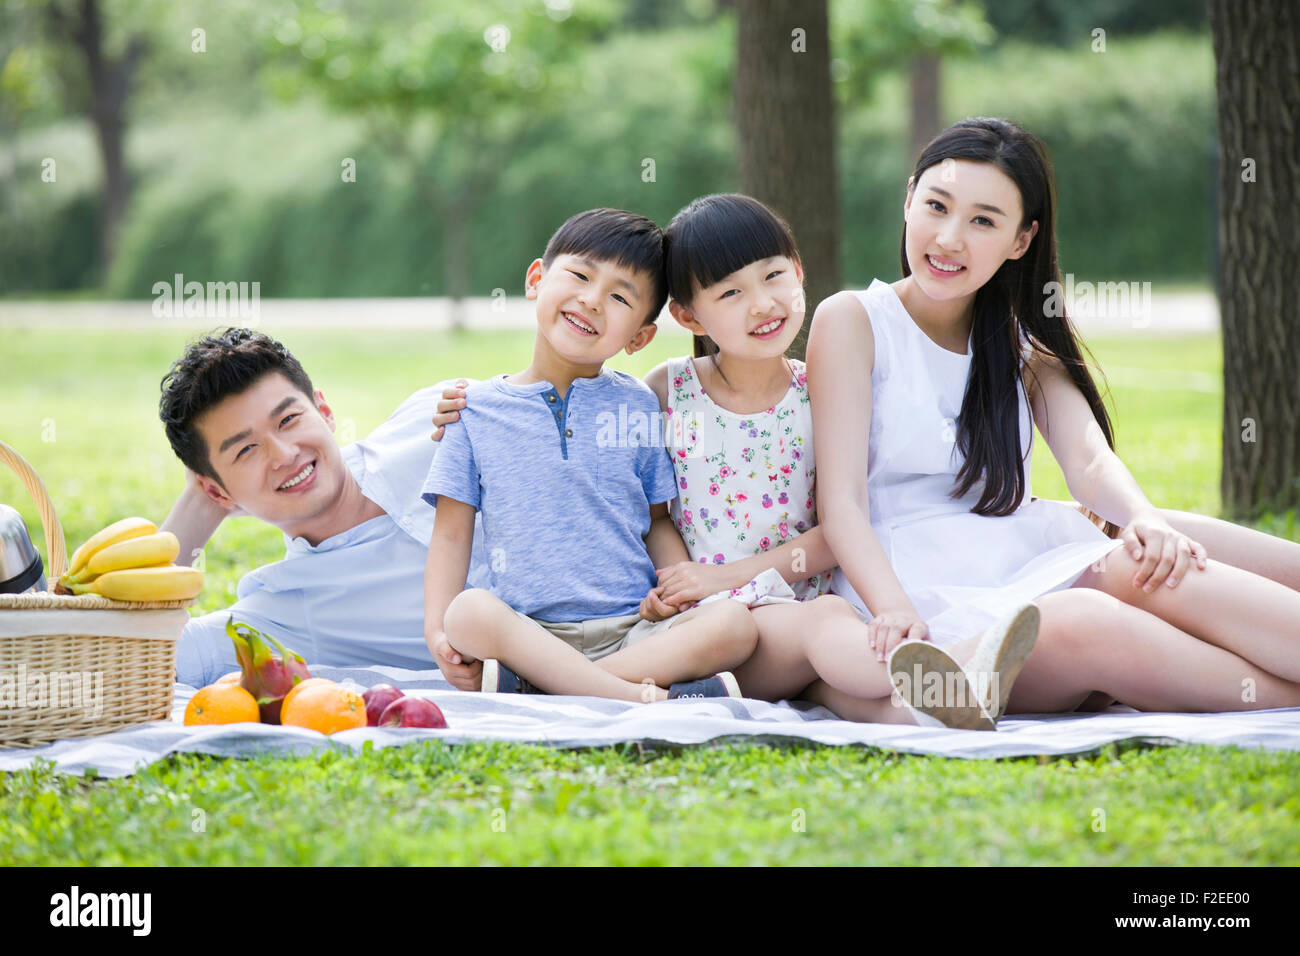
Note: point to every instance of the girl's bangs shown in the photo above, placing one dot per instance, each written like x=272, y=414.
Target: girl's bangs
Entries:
x=718, y=235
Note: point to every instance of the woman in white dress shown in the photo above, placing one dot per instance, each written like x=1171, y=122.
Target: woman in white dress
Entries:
x=928, y=508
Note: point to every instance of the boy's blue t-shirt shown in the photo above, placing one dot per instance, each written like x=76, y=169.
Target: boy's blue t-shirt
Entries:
x=564, y=487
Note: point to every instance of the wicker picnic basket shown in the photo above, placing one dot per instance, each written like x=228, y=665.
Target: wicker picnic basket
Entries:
x=79, y=665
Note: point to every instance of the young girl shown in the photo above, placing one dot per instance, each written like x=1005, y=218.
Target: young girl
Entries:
x=741, y=442
x=740, y=437
x=926, y=392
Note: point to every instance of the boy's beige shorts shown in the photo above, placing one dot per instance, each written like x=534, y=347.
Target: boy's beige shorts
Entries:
x=602, y=636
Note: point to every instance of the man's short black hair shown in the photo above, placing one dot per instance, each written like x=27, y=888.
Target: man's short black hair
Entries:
x=618, y=236
x=211, y=370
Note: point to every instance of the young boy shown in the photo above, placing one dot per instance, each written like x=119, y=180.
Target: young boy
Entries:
x=574, y=514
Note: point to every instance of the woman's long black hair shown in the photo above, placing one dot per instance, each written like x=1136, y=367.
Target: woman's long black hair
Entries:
x=714, y=236
x=1018, y=297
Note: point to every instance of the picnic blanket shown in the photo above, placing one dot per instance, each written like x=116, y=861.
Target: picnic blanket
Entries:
x=593, y=722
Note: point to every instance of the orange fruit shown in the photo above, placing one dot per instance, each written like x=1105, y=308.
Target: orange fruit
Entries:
x=309, y=682
x=325, y=706
x=231, y=678
x=222, y=704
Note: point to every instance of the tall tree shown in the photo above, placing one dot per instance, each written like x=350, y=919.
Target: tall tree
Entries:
x=1256, y=48
x=448, y=92
x=915, y=36
x=924, y=82
x=110, y=78
x=785, y=120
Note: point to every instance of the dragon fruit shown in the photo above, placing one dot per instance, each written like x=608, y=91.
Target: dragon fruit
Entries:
x=267, y=677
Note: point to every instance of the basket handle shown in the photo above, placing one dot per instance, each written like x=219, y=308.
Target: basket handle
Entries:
x=55, y=546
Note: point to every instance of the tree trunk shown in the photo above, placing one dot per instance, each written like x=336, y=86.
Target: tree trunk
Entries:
x=924, y=86
x=1258, y=93
x=455, y=255
x=785, y=121
x=110, y=82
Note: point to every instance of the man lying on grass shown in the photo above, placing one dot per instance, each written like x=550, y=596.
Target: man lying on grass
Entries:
x=256, y=439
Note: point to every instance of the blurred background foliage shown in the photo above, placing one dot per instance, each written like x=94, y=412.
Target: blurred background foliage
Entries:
x=467, y=157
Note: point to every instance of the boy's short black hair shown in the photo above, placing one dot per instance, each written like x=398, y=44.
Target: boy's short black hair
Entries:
x=618, y=236
x=211, y=370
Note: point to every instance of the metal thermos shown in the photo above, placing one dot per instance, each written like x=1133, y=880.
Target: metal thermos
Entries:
x=21, y=568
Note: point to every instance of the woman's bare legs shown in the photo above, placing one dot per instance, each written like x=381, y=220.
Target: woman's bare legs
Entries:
x=1264, y=554
x=1092, y=646
x=1251, y=616
x=864, y=710
x=1090, y=641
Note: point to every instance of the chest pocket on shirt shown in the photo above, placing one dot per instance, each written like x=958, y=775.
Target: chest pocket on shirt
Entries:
x=616, y=474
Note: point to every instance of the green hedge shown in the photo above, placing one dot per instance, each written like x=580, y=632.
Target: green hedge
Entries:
x=259, y=197
x=1132, y=137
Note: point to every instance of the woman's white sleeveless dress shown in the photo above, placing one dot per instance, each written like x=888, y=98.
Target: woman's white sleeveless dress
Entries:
x=961, y=570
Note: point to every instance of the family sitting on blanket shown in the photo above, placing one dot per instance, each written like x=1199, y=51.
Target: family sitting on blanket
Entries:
x=649, y=563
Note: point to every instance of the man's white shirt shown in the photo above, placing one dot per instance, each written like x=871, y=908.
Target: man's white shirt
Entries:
x=356, y=598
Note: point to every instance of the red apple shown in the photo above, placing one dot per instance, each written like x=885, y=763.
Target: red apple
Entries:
x=377, y=698
x=412, y=712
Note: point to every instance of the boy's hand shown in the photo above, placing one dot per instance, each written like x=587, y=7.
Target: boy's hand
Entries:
x=654, y=608
x=453, y=398
x=686, y=582
x=462, y=672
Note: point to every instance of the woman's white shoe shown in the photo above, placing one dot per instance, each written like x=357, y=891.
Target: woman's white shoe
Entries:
x=936, y=688
x=1000, y=656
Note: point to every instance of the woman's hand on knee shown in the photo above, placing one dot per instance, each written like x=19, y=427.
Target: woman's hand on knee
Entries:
x=1163, y=553
x=887, y=631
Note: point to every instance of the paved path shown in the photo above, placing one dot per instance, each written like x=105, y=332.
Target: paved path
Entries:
x=1161, y=314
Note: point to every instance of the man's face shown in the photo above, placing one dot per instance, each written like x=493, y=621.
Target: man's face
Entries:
x=590, y=309
x=275, y=452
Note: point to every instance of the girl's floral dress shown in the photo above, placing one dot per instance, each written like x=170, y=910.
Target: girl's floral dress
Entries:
x=745, y=483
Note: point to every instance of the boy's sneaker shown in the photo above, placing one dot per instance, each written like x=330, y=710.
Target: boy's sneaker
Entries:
x=499, y=679
x=722, y=684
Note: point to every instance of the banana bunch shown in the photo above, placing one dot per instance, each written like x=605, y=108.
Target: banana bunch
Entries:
x=131, y=560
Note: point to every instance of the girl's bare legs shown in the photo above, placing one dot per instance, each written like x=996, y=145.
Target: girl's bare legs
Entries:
x=824, y=642
x=1264, y=554
x=778, y=669
x=799, y=642
x=1251, y=616
x=1090, y=641
x=877, y=709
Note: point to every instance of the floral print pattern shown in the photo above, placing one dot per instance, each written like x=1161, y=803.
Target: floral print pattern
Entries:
x=746, y=483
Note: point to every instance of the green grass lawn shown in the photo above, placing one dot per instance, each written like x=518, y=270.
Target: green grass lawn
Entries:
x=82, y=408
